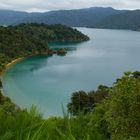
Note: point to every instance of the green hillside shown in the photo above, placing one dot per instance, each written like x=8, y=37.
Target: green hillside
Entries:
x=51, y=33
x=32, y=39
x=14, y=44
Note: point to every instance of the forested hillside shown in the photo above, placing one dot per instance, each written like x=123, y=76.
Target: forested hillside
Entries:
x=51, y=33
x=14, y=44
x=31, y=39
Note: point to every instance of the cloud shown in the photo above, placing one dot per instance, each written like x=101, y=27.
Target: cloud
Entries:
x=46, y=5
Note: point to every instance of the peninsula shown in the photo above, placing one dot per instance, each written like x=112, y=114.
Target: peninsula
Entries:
x=31, y=39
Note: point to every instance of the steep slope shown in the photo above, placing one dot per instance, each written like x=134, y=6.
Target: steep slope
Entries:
x=51, y=33
x=127, y=20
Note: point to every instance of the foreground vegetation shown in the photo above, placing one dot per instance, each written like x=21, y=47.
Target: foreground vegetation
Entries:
x=32, y=39
x=114, y=114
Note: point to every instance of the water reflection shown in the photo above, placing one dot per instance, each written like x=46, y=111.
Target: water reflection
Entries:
x=37, y=66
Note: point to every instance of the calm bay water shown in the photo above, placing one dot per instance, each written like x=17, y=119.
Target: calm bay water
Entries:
x=48, y=82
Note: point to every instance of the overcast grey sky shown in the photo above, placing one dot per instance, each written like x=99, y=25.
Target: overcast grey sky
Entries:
x=47, y=5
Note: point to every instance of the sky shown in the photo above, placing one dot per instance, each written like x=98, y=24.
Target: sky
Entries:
x=48, y=5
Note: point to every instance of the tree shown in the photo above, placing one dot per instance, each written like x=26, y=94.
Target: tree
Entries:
x=0, y=84
x=123, y=108
x=85, y=101
x=136, y=74
x=80, y=102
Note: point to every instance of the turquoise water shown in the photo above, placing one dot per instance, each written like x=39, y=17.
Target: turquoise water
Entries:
x=48, y=82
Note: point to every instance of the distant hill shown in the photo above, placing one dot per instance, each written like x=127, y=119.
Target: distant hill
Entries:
x=126, y=20
x=96, y=17
x=81, y=17
x=8, y=17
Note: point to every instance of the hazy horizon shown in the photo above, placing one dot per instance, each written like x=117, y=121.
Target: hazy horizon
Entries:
x=64, y=9
x=52, y=5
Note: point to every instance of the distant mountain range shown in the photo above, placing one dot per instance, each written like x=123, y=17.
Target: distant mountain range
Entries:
x=97, y=17
x=126, y=20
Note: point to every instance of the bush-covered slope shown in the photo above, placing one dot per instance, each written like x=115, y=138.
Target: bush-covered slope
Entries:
x=31, y=39
x=51, y=33
x=14, y=44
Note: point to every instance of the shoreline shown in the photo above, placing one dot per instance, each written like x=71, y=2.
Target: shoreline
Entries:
x=10, y=64
x=14, y=61
x=60, y=51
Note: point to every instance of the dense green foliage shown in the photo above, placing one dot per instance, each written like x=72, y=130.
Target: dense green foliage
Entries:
x=32, y=39
x=85, y=102
x=114, y=117
x=123, y=114
x=14, y=44
x=16, y=124
x=18, y=44
x=51, y=33
x=120, y=112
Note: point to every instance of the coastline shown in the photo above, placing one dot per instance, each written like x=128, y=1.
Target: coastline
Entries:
x=10, y=64
x=60, y=51
x=14, y=61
